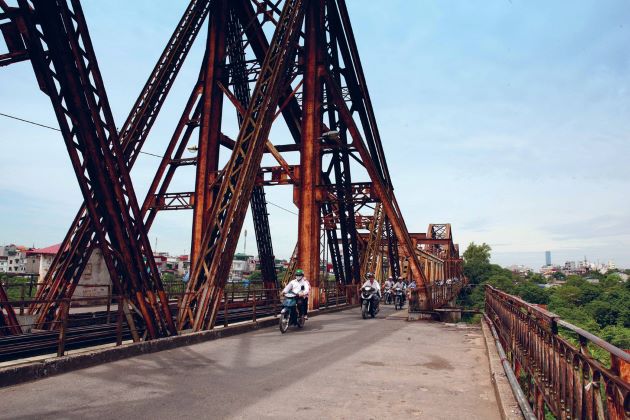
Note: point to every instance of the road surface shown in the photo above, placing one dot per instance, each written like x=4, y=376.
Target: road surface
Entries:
x=340, y=366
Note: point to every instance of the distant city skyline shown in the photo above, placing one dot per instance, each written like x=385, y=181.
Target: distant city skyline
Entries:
x=507, y=119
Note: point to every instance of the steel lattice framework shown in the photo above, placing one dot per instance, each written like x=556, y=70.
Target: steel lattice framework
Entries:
x=308, y=73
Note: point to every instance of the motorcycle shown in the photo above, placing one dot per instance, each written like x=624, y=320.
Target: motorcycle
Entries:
x=369, y=305
x=388, y=296
x=290, y=314
x=399, y=298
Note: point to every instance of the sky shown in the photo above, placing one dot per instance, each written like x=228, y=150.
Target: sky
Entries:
x=508, y=119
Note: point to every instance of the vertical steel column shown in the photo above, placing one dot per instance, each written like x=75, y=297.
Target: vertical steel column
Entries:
x=205, y=288
x=310, y=154
x=392, y=250
x=240, y=83
x=210, y=130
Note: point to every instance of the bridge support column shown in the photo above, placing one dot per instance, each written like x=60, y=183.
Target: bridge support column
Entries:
x=309, y=222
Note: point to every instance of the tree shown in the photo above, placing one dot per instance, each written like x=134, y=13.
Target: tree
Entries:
x=567, y=294
x=558, y=275
x=604, y=313
x=538, y=278
x=256, y=275
x=477, y=253
x=532, y=293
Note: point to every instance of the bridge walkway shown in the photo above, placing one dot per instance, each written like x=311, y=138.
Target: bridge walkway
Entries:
x=340, y=366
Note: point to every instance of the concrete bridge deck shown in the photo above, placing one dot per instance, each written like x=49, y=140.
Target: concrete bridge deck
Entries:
x=340, y=366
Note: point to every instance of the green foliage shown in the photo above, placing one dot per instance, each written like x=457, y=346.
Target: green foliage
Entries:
x=601, y=308
x=537, y=278
x=558, y=275
x=477, y=253
x=18, y=287
x=256, y=275
x=532, y=293
x=604, y=313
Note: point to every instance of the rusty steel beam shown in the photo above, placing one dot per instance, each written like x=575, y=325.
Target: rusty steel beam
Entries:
x=242, y=95
x=198, y=309
x=382, y=191
x=210, y=123
x=9, y=324
x=373, y=246
x=76, y=248
x=260, y=45
x=310, y=160
x=63, y=59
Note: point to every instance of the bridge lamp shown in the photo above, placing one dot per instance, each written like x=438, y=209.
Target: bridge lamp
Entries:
x=330, y=135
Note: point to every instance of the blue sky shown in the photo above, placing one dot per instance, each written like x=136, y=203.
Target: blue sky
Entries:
x=508, y=119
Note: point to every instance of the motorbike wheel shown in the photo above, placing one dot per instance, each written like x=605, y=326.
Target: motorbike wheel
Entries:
x=301, y=321
x=364, y=311
x=283, y=323
x=397, y=304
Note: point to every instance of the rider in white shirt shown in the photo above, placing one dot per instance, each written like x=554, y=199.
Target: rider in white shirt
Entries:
x=371, y=282
x=300, y=287
x=400, y=284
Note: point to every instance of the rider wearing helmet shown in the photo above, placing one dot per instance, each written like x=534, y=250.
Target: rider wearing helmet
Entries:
x=388, y=283
x=400, y=284
x=371, y=282
x=301, y=287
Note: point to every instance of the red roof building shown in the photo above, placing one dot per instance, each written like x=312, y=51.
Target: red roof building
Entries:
x=50, y=250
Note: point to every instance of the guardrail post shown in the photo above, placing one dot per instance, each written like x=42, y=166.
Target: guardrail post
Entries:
x=65, y=309
x=109, y=303
x=225, y=307
x=22, y=290
x=254, y=314
x=119, y=321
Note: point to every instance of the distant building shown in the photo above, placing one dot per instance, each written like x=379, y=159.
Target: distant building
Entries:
x=94, y=282
x=183, y=264
x=16, y=256
x=38, y=261
x=547, y=258
x=242, y=266
x=519, y=269
x=4, y=263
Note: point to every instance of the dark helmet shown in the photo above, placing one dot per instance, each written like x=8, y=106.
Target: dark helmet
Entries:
x=369, y=276
x=299, y=273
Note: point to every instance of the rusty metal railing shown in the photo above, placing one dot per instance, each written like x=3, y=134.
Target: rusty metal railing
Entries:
x=437, y=294
x=557, y=376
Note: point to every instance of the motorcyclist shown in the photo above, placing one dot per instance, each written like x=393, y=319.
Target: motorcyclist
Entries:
x=300, y=287
x=400, y=284
x=370, y=281
x=389, y=283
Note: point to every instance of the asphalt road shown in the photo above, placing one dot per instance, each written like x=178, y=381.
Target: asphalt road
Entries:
x=340, y=366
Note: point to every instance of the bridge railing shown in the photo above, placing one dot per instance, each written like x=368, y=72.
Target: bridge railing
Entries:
x=435, y=295
x=554, y=364
x=115, y=321
x=65, y=331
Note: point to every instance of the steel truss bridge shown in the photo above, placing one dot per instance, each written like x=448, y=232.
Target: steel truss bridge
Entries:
x=291, y=62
